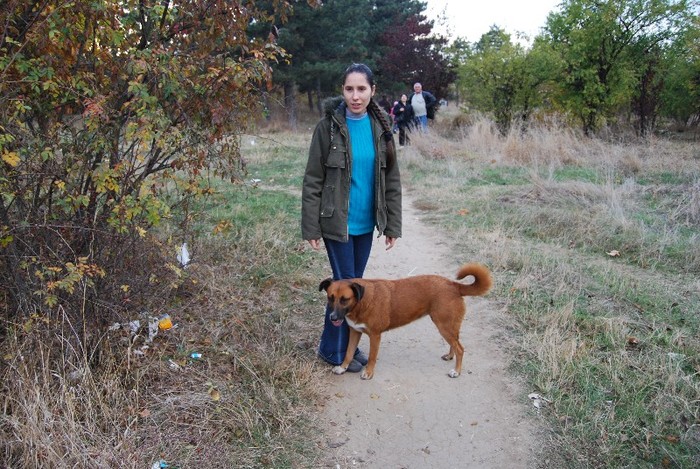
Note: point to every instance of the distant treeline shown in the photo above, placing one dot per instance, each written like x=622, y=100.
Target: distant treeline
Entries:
x=595, y=62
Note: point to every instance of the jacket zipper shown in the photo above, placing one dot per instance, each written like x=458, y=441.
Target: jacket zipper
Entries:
x=348, y=165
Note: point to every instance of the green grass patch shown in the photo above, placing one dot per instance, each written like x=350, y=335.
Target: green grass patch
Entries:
x=576, y=173
x=500, y=176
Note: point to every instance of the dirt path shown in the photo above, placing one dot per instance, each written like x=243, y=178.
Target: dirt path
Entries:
x=412, y=415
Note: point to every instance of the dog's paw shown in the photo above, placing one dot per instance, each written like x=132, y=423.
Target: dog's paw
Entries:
x=366, y=375
x=447, y=357
x=339, y=370
x=453, y=374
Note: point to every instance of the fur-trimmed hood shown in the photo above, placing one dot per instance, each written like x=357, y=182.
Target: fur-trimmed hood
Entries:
x=331, y=105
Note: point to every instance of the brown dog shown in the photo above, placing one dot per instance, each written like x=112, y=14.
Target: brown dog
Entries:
x=375, y=306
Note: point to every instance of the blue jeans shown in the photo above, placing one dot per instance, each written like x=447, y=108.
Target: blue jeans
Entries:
x=348, y=260
x=422, y=122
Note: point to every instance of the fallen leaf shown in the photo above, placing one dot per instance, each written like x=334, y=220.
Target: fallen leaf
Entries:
x=214, y=394
x=11, y=158
x=374, y=396
x=463, y=211
x=614, y=253
x=145, y=413
x=632, y=342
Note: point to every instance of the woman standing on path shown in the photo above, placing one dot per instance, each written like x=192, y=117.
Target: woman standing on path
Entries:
x=351, y=186
x=404, y=119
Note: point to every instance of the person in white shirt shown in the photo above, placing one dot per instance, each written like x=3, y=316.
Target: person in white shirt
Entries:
x=423, y=104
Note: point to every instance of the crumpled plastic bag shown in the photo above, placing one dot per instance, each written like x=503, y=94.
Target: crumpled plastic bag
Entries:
x=183, y=255
x=538, y=400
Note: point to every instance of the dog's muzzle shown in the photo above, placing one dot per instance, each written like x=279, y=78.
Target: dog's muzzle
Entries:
x=337, y=317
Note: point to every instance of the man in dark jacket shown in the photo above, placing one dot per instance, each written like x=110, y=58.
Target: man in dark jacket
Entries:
x=423, y=105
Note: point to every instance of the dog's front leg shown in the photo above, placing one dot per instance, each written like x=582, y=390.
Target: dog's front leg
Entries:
x=353, y=342
x=374, y=340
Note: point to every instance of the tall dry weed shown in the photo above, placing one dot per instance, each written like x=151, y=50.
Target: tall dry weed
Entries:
x=57, y=412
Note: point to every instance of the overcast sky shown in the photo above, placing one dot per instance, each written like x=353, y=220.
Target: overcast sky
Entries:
x=470, y=18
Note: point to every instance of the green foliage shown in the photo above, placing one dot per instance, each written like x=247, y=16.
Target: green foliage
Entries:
x=495, y=79
x=605, y=51
x=681, y=93
x=391, y=36
x=596, y=63
x=106, y=107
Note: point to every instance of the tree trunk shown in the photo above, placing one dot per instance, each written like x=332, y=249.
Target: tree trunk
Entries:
x=310, y=100
x=266, y=106
x=290, y=103
x=646, y=103
x=318, y=97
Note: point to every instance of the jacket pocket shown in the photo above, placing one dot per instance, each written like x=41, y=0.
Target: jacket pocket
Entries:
x=336, y=157
x=335, y=165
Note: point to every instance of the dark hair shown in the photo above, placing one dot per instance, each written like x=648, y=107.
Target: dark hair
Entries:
x=376, y=111
x=360, y=68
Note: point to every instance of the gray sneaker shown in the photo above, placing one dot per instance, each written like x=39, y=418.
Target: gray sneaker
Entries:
x=361, y=357
x=354, y=367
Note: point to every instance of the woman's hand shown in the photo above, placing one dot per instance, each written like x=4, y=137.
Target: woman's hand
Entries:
x=389, y=242
x=315, y=244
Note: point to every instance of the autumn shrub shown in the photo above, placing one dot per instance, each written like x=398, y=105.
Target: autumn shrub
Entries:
x=114, y=119
x=111, y=114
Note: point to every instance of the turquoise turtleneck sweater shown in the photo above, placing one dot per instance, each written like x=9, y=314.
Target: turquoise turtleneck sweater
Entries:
x=361, y=211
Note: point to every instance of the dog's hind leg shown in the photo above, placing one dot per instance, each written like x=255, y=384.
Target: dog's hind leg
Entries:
x=456, y=348
x=459, y=353
x=449, y=355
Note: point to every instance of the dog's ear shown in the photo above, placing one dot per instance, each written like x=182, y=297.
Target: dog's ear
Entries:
x=358, y=290
x=325, y=284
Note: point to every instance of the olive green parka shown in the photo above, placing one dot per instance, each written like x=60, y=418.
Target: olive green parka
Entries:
x=326, y=189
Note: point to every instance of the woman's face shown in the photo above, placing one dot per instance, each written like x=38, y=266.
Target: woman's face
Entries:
x=357, y=92
x=404, y=98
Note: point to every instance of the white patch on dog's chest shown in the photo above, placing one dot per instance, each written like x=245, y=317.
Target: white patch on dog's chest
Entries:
x=358, y=327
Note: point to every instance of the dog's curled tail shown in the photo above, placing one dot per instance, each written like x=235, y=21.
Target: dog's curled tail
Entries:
x=482, y=280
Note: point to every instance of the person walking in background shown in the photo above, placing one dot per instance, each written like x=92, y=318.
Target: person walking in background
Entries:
x=423, y=105
x=385, y=104
x=394, y=126
x=351, y=187
x=404, y=119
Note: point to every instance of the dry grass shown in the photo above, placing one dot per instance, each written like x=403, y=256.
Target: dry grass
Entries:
x=611, y=339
